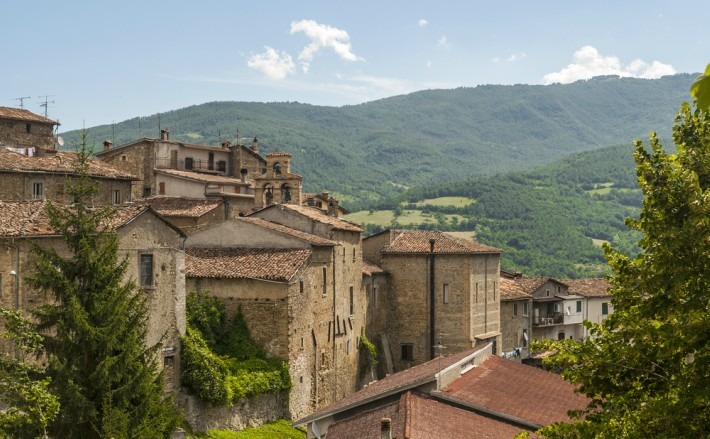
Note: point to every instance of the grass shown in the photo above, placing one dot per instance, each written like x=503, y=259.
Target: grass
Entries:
x=599, y=242
x=384, y=217
x=447, y=201
x=280, y=429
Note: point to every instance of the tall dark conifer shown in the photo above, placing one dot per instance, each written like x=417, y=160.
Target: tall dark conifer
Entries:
x=104, y=374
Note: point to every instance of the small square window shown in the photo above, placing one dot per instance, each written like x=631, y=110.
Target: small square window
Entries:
x=579, y=306
x=515, y=309
x=146, y=269
x=116, y=197
x=407, y=352
x=605, y=308
x=525, y=308
x=37, y=191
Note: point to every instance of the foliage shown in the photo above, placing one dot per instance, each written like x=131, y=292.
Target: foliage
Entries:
x=701, y=89
x=280, y=429
x=645, y=367
x=104, y=375
x=23, y=388
x=367, y=346
x=367, y=152
x=231, y=366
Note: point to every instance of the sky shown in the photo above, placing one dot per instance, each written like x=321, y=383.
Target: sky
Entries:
x=102, y=62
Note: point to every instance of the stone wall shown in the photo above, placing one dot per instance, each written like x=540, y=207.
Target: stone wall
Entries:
x=249, y=412
x=136, y=159
x=26, y=134
x=18, y=186
x=513, y=321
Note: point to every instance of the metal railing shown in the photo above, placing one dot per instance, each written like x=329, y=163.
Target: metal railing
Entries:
x=188, y=164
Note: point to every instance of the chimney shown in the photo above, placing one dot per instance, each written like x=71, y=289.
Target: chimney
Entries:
x=164, y=134
x=244, y=171
x=255, y=145
x=325, y=195
x=226, y=144
x=333, y=207
x=386, y=428
x=108, y=145
x=311, y=201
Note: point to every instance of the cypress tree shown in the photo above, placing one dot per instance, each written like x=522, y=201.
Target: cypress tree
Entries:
x=103, y=372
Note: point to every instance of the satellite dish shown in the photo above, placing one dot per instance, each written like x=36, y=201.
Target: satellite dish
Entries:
x=60, y=140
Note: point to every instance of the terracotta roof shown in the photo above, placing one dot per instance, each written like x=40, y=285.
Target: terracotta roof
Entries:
x=244, y=263
x=198, y=176
x=183, y=207
x=59, y=162
x=400, y=381
x=370, y=268
x=313, y=239
x=518, y=390
x=415, y=415
x=592, y=287
x=25, y=115
x=417, y=242
x=319, y=216
x=278, y=154
x=29, y=218
x=512, y=290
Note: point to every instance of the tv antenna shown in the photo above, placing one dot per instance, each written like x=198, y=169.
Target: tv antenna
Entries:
x=22, y=100
x=46, y=103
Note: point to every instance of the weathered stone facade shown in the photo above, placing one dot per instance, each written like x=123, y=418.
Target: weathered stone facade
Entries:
x=21, y=186
x=22, y=129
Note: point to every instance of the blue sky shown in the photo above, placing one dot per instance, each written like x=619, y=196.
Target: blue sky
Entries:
x=107, y=61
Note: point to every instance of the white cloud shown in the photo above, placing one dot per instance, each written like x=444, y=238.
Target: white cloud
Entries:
x=423, y=22
x=443, y=41
x=274, y=64
x=587, y=62
x=496, y=59
x=428, y=63
x=323, y=36
x=517, y=57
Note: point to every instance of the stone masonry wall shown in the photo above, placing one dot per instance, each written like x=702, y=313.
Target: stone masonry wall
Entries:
x=15, y=133
x=17, y=186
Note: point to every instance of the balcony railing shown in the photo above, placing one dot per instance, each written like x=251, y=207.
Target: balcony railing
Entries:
x=188, y=164
x=548, y=319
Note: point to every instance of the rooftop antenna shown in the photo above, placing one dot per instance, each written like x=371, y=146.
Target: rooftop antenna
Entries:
x=159, y=127
x=22, y=100
x=46, y=103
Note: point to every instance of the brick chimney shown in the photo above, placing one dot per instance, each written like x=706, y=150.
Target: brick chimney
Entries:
x=164, y=134
x=108, y=145
x=255, y=145
x=386, y=428
x=333, y=207
x=226, y=144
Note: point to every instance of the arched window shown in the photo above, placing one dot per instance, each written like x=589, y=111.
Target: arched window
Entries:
x=285, y=193
x=268, y=195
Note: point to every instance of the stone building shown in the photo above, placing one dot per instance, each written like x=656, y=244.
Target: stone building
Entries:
x=443, y=294
x=151, y=246
x=324, y=202
x=235, y=174
x=189, y=214
x=516, y=304
x=23, y=130
x=296, y=274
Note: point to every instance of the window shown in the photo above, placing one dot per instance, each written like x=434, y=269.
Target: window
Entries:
x=494, y=291
x=325, y=281
x=146, y=269
x=605, y=308
x=37, y=191
x=222, y=166
x=146, y=192
x=161, y=188
x=116, y=197
x=302, y=343
x=547, y=293
x=374, y=295
x=561, y=336
x=60, y=189
x=353, y=254
x=300, y=287
x=579, y=306
x=407, y=352
x=515, y=309
x=28, y=127
x=525, y=308
x=123, y=158
x=352, y=301
x=322, y=359
x=210, y=161
x=446, y=293
x=189, y=163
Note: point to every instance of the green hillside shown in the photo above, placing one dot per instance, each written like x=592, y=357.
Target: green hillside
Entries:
x=374, y=150
x=548, y=221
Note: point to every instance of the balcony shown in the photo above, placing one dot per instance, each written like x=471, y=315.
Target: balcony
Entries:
x=554, y=318
x=190, y=164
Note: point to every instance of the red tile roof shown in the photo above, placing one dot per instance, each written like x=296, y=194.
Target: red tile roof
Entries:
x=510, y=289
x=244, y=263
x=319, y=216
x=29, y=218
x=592, y=287
x=183, y=207
x=24, y=115
x=518, y=390
x=415, y=415
x=418, y=242
x=59, y=162
x=313, y=239
x=370, y=268
x=400, y=381
x=198, y=176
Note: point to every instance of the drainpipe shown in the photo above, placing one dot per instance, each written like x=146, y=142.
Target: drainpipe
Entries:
x=432, y=298
x=16, y=273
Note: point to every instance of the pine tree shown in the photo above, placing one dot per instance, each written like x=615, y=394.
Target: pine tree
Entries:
x=104, y=374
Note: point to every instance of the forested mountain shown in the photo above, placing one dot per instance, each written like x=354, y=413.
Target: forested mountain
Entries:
x=374, y=150
x=548, y=221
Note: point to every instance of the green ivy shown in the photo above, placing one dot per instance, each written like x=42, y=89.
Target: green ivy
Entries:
x=203, y=371
x=369, y=347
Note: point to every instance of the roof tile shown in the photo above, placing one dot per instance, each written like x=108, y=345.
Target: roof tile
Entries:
x=319, y=216
x=418, y=242
x=244, y=263
x=183, y=207
x=22, y=114
x=313, y=239
x=590, y=287
x=59, y=162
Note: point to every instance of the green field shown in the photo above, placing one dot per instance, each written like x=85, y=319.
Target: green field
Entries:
x=409, y=217
x=447, y=201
